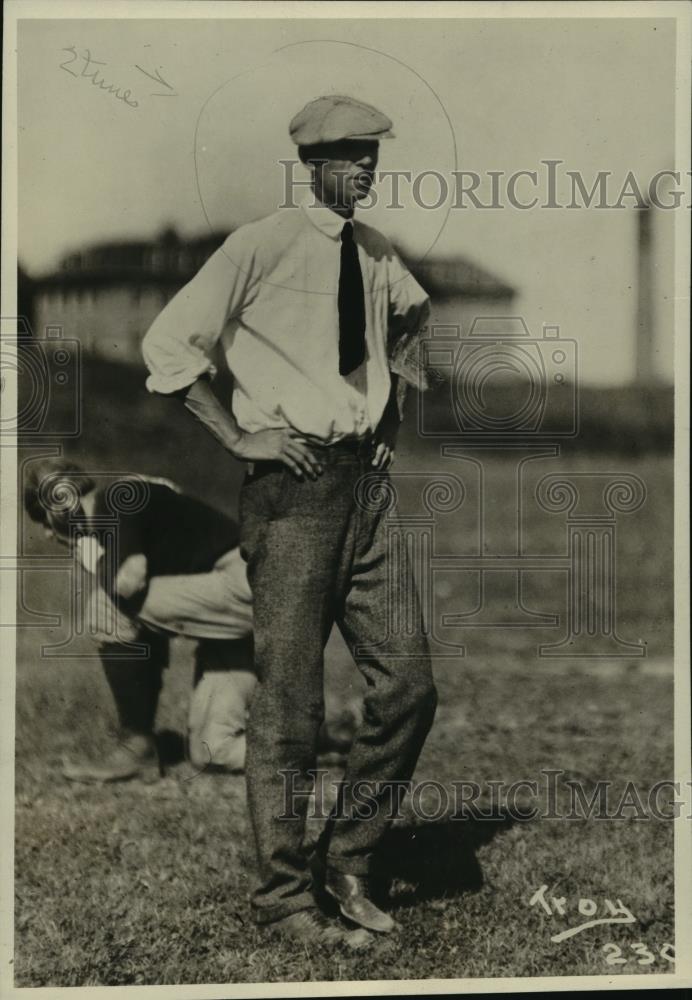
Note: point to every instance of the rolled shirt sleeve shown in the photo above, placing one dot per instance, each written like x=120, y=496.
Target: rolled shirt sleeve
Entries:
x=177, y=346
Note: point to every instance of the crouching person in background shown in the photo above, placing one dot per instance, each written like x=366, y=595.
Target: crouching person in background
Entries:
x=170, y=567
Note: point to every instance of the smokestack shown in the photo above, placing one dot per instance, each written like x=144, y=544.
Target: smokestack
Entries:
x=645, y=333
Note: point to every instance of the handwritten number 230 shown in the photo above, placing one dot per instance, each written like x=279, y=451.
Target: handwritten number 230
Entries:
x=614, y=956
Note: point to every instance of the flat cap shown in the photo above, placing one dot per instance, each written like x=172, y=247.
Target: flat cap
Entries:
x=329, y=119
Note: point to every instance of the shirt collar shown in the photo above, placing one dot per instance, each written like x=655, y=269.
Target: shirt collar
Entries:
x=321, y=217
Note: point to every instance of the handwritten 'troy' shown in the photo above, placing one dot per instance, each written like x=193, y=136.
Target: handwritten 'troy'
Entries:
x=618, y=912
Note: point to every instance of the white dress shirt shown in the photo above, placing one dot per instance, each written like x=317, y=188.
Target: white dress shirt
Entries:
x=270, y=295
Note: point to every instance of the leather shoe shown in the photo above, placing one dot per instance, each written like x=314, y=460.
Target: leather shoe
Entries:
x=352, y=893
x=313, y=927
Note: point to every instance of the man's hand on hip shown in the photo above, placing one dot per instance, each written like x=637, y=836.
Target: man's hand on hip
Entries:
x=383, y=457
x=386, y=433
x=285, y=446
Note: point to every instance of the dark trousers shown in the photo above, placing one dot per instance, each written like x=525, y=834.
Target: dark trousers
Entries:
x=136, y=682
x=317, y=555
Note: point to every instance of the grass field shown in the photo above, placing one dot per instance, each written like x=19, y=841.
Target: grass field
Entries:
x=143, y=884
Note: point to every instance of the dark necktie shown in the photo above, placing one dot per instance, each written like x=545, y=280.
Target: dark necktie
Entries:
x=351, y=306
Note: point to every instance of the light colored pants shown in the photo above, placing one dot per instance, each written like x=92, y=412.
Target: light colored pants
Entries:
x=215, y=605
x=217, y=718
x=205, y=606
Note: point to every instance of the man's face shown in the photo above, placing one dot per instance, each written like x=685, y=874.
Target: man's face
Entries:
x=65, y=526
x=56, y=528
x=347, y=175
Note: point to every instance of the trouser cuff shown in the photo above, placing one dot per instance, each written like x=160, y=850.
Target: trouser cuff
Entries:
x=270, y=914
x=349, y=866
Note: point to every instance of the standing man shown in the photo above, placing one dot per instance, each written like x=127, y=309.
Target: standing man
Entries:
x=318, y=319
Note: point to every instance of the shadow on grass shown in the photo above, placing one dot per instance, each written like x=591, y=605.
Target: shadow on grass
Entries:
x=436, y=859
x=171, y=747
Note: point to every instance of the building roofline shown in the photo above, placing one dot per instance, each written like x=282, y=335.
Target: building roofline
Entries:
x=456, y=275
x=443, y=276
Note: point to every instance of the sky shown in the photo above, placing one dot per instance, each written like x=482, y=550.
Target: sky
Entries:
x=203, y=146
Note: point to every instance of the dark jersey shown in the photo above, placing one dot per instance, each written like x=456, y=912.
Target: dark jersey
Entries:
x=177, y=533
